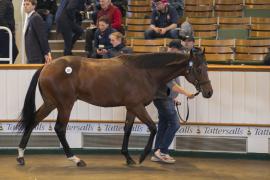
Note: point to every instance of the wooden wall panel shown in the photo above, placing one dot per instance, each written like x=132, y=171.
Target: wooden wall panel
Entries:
x=239, y=97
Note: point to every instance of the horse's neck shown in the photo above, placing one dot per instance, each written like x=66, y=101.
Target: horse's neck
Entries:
x=166, y=74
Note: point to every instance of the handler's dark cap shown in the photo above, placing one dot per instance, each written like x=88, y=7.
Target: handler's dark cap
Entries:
x=187, y=38
x=175, y=44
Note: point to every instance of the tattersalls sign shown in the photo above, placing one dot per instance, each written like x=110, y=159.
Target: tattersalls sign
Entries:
x=10, y=127
x=258, y=138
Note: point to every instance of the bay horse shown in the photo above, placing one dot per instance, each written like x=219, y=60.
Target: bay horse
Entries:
x=127, y=80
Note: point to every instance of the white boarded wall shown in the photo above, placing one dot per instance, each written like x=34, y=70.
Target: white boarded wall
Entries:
x=239, y=97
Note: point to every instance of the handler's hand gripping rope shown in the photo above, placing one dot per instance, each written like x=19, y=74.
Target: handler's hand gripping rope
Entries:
x=187, y=116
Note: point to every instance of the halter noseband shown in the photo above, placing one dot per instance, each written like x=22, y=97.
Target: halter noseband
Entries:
x=198, y=84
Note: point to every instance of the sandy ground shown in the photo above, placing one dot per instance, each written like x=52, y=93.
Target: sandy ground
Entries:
x=50, y=167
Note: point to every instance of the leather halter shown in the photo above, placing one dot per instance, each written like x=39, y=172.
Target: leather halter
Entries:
x=198, y=84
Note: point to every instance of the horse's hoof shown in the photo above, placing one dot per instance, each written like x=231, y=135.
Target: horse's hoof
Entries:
x=142, y=158
x=130, y=162
x=81, y=163
x=20, y=161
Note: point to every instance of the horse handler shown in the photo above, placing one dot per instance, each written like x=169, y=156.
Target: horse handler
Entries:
x=168, y=120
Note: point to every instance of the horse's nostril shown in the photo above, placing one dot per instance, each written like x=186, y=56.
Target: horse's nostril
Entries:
x=210, y=93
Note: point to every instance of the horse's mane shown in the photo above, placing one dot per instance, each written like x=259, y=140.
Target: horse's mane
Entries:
x=152, y=60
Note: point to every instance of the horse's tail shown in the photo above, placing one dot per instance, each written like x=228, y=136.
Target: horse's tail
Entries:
x=27, y=117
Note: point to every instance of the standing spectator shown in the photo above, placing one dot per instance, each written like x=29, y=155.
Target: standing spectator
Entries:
x=168, y=120
x=7, y=20
x=117, y=41
x=163, y=21
x=36, y=42
x=65, y=19
x=101, y=39
x=178, y=5
x=47, y=10
x=114, y=15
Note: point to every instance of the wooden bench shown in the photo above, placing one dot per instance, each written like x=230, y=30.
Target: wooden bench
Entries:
x=198, y=8
x=234, y=23
x=257, y=4
x=228, y=8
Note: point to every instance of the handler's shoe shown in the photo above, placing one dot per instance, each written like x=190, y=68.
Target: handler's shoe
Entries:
x=161, y=157
x=168, y=157
x=155, y=159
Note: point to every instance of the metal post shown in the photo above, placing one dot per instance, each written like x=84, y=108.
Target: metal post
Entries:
x=10, y=45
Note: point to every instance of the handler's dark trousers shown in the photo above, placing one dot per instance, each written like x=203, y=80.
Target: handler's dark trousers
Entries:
x=168, y=124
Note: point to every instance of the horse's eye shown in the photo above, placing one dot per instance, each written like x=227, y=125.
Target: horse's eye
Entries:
x=199, y=70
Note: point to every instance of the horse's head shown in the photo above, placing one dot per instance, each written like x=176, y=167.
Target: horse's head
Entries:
x=197, y=72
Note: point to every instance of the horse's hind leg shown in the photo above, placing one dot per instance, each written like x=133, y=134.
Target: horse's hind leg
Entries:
x=41, y=114
x=60, y=129
x=142, y=114
x=128, y=127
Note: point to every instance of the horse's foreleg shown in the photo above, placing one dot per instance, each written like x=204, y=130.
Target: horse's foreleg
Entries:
x=41, y=113
x=128, y=127
x=143, y=115
x=60, y=129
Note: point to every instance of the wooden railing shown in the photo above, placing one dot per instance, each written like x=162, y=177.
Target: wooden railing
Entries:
x=212, y=67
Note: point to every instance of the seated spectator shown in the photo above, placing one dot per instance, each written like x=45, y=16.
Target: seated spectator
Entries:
x=117, y=41
x=164, y=21
x=266, y=60
x=47, y=10
x=121, y=4
x=178, y=5
x=114, y=15
x=101, y=40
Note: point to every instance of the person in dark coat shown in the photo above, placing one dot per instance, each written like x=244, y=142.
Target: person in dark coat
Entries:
x=7, y=20
x=101, y=38
x=47, y=10
x=65, y=19
x=36, y=42
x=117, y=41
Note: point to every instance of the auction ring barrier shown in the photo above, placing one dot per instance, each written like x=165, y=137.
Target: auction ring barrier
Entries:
x=10, y=45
